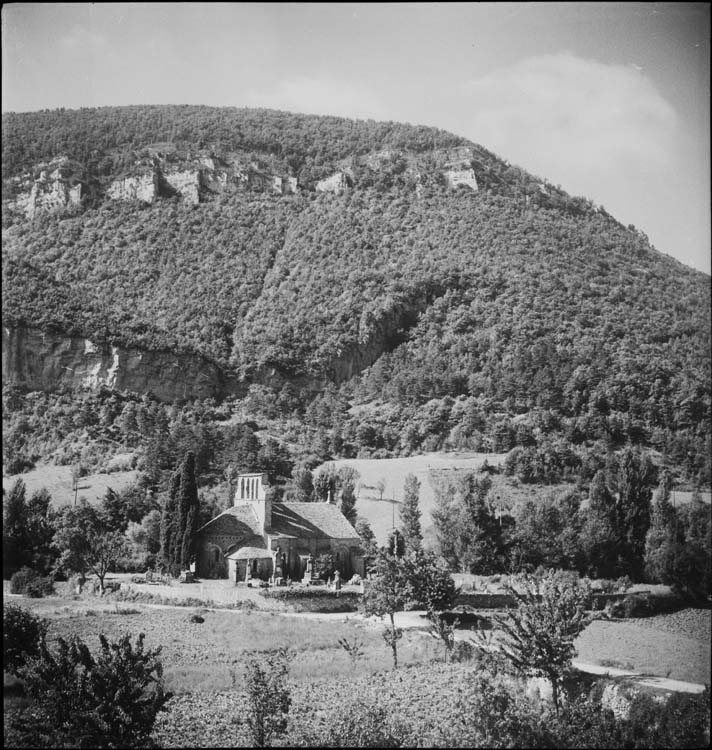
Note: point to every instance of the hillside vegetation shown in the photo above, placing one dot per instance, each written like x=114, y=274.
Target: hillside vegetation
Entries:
x=394, y=315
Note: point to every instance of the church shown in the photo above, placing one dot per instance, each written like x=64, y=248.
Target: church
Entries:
x=260, y=538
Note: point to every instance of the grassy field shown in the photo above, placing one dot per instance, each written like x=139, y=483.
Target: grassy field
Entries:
x=205, y=657
x=58, y=481
x=392, y=472
x=204, y=662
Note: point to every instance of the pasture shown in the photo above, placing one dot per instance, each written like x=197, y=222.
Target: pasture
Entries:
x=58, y=481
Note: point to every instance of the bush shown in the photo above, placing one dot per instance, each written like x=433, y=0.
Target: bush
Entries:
x=493, y=711
x=364, y=723
x=268, y=695
x=22, y=633
x=680, y=721
x=633, y=605
x=39, y=587
x=29, y=582
x=82, y=700
x=585, y=722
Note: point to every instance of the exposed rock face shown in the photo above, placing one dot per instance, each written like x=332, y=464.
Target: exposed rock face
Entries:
x=457, y=157
x=457, y=177
x=137, y=188
x=41, y=360
x=54, y=188
x=187, y=184
x=336, y=184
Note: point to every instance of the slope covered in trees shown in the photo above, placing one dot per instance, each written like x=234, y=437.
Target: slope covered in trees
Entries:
x=515, y=315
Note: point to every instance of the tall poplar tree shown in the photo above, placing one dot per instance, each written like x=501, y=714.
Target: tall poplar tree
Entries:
x=410, y=514
x=635, y=479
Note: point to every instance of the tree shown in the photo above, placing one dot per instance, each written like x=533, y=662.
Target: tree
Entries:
x=325, y=484
x=268, y=695
x=539, y=636
x=14, y=530
x=303, y=485
x=469, y=535
x=22, y=633
x=179, y=520
x=85, y=544
x=662, y=542
x=386, y=594
x=40, y=531
x=348, y=501
x=410, y=513
x=110, y=699
x=365, y=532
x=600, y=537
x=635, y=477
x=429, y=582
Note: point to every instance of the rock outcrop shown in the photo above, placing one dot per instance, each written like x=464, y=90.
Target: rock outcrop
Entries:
x=54, y=188
x=137, y=188
x=336, y=184
x=41, y=360
x=186, y=183
x=457, y=177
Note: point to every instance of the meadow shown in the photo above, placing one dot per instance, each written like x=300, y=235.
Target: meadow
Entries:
x=58, y=481
x=204, y=660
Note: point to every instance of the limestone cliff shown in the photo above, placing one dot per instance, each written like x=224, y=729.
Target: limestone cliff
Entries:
x=55, y=186
x=136, y=188
x=337, y=183
x=41, y=360
x=457, y=177
x=186, y=183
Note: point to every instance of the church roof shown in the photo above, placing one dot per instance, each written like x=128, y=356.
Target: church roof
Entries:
x=300, y=520
x=250, y=553
x=240, y=520
x=311, y=519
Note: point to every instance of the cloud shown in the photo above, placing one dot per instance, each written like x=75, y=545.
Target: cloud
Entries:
x=318, y=96
x=575, y=121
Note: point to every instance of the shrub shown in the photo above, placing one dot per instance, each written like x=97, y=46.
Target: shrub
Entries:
x=39, y=587
x=463, y=651
x=82, y=700
x=353, y=648
x=29, y=582
x=364, y=723
x=633, y=605
x=22, y=633
x=268, y=695
x=679, y=721
x=585, y=722
x=493, y=711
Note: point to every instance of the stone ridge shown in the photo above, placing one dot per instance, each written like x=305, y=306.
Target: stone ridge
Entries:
x=159, y=172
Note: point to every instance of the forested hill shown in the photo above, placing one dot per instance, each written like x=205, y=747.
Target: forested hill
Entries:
x=404, y=263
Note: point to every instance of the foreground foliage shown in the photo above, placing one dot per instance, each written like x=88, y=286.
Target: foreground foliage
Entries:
x=446, y=705
x=80, y=699
x=268, y=695
x=23, y=632
x=540, y=634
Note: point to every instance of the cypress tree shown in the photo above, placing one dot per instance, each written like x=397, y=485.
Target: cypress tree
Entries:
x=188, y=504
x=410, y=514
x=168, y=524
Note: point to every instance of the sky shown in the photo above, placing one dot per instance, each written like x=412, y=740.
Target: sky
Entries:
x=608, y=100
